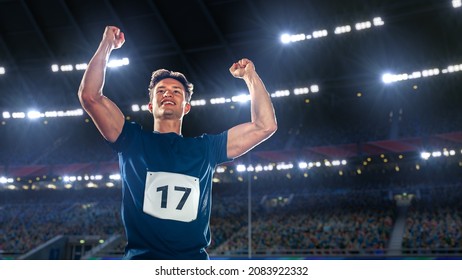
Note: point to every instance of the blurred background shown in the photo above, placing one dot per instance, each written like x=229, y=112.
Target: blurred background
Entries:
x=366, y=162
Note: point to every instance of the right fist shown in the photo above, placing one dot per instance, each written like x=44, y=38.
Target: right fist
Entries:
x=114, y=37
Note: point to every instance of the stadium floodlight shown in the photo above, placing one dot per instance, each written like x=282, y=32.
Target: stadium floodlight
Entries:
x=456, y=3
x=118, y=62
x=363, y=25
x=320, y=33
x=241, y=98
x=240, y=168
x=5, y=180
x=285, y=38
x=200, y=102
x=388, y=78
x=452, y=68
x=280, y=93
x=430, y=72
x=416, y=75
x=342, y=29
x=115, y=177
x=66, y=68
x=377, y=21
x=135, y=108
x=269, y=167
x=288, y=38
x=336, y=162
x=314, y=88
x=299, y=91
x=302, y=165
x=33, y=114
x=70, y=178
x=51, y=114
x=425, y=155
x=2, y=71
x=220, y=169
x=18, y=115
x=91, y=185
x=6, y=115
x=436, y=154
x=219, y=100
x=284, y=166
x=291, y=38
x=81, y=66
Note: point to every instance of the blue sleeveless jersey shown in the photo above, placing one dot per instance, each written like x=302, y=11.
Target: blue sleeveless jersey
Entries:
x=167, y=191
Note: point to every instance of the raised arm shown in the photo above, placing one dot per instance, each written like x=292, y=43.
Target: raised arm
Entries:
x=105, y=114
x=262, y=125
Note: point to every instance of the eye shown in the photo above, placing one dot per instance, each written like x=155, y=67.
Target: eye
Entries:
x=160, y=91
x=177, y=91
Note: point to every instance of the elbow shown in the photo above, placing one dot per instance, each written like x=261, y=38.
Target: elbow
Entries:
x=87, y=99
x=273, y=128
x=270, y=129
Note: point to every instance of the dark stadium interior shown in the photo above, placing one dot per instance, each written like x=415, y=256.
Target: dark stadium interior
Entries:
x=386, y=201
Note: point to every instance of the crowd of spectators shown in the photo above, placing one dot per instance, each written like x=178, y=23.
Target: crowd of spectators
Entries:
x=315, y=222
x=30, y=219
x=434, y=222
x=306, y=220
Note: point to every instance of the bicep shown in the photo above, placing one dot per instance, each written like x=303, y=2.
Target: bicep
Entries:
x=107, y=117
x=242, y=138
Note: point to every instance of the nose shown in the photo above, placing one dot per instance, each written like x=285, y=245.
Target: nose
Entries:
x=167, y=93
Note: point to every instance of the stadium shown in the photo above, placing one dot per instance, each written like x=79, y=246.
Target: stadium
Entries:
x=366, y=162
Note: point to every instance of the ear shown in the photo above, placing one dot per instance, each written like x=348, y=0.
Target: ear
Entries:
x=187, y=108
x=150, y=107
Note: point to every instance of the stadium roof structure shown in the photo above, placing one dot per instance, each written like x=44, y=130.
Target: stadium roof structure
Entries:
x=414, y=145
x=202, y=38
x=342, y=47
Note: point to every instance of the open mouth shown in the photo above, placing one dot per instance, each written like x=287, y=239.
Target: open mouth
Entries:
x=167, y=102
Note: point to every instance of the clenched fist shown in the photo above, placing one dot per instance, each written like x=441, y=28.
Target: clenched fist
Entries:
x=113, y=37
x=242, y=68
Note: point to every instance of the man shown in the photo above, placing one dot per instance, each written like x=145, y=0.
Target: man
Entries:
x=167, y=179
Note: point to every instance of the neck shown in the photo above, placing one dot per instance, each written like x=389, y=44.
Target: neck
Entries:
x=166, y=126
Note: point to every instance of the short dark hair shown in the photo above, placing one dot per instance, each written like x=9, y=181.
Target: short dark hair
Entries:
x=161, y=74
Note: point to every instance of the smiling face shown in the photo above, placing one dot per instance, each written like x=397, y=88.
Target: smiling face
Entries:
x=169, y=100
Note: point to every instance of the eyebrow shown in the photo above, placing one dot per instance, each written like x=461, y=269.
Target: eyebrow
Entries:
x=172, y=87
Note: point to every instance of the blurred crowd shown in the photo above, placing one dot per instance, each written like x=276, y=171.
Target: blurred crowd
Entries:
x=309, y=221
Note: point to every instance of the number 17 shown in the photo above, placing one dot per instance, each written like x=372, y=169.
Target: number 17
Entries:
x=164, y=190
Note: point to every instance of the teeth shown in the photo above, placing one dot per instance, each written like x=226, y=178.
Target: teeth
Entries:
x=168, y=102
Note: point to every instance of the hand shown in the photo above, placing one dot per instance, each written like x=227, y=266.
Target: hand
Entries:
x=242, y=68
x=114, y=37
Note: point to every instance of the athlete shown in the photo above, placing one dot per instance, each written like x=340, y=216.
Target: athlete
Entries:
x=167, y=178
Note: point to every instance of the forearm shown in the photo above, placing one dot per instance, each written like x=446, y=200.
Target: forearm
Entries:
x=92, y=83
x=261, y=107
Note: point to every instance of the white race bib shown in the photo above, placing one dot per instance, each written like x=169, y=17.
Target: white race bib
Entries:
x=171, y=196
